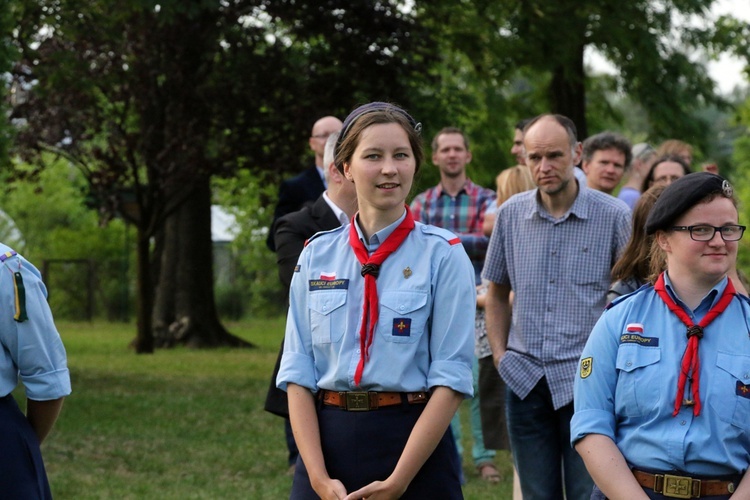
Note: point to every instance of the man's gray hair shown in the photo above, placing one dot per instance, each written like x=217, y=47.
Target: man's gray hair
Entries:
x=328, y=152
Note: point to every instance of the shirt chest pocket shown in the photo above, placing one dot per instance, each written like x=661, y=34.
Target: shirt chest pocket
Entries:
x=730, y=393
x=638, y=383
x=327, y=316
x=403, y=315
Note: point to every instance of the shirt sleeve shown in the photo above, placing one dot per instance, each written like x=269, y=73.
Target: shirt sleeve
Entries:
x=495, y=263
x=623, y=227
x=297, y=362
x=33, y=345
x=595, y=382
x=452, y=325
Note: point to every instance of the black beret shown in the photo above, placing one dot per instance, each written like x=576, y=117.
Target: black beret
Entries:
x=682, y=195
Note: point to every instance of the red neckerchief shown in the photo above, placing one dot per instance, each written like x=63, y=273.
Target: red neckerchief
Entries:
x=691, y=360
x=370, y=270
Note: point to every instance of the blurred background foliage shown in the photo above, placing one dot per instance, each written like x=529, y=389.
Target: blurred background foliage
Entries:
x=86, y=81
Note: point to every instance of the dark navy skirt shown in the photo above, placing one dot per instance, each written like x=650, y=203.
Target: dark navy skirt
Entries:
x=22, y=474
x=362, y=447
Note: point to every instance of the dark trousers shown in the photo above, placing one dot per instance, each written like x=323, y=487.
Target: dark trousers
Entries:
x=22, y=474
x=362, y=447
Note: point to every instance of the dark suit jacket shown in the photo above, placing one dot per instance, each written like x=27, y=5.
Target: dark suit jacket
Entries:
x=294, y=193
x=290, y=233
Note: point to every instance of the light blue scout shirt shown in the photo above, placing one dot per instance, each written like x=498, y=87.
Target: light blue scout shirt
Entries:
x=424, y=336
x=31, y=349
x=627, y=381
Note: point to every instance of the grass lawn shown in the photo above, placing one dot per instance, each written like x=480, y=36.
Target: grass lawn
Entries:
x=180, y=423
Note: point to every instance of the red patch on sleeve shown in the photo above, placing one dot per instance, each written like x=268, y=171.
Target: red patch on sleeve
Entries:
x=454, y=241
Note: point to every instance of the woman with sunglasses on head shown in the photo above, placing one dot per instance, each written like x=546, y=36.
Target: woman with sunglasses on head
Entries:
x=379, y=338
x=662, y=397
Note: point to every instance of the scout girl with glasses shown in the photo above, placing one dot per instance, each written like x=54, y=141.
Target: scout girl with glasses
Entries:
x=662, y=397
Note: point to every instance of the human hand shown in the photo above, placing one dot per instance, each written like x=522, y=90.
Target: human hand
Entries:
x=330, y=489
x=378, y=490
x=497, y=357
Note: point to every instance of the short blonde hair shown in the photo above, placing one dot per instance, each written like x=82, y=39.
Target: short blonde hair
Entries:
x=512, y=181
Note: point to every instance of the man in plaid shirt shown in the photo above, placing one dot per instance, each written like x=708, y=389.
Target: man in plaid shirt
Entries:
x=456, y=204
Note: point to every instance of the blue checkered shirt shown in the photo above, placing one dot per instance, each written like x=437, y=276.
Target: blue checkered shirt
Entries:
x=559, y=270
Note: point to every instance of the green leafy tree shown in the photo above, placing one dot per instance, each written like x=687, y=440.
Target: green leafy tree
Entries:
x=650, y=43
x=153, y=99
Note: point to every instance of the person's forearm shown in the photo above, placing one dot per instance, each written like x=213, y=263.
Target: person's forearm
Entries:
x=427, y=433
x=743, y=489
x=497, y=315
x=304, y=420
x=608, y=468
x=42, y=415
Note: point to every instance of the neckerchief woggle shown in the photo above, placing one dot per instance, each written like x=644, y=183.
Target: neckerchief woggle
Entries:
x=691, y=360
x=370, y=270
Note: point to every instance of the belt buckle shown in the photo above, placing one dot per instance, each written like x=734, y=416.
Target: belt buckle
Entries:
x=357, y=401
x=679, y=486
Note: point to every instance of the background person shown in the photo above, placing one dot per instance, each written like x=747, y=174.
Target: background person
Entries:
x=332, y=209
x=633, y=269
x=643, y=154
x=663, y=380
x=554, y=247
x=403, y=360
x=306, y=187
x=606, y=157
x=30, y=351
x=665, y=170
x=459, y=205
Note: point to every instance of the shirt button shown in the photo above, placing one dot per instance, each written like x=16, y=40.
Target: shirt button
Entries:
x=325, y=308
x=357, y=351
x=628, y=364
x=683, y=422
x=552, y=281
x=401, y=307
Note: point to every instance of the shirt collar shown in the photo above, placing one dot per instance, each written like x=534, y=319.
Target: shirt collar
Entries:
x=379, y=237
x=340, y=214
x=707, y=302
x=468, y=187
x=580, y=207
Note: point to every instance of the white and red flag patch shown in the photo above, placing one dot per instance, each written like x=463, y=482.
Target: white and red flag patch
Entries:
x=328, y=276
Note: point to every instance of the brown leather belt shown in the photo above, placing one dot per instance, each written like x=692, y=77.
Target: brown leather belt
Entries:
x=683, y=486
x=366, y=401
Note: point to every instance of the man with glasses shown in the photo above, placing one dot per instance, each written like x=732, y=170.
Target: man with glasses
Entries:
x=554, y=247
x=306, y=187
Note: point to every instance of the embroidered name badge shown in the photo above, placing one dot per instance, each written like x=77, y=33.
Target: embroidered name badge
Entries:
x=743, y=390
x=634, y=338
x=586, y=366
x=328, y=284
x=401, y=327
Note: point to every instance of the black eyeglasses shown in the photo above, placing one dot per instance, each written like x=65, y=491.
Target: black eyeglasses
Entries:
x=704, y=232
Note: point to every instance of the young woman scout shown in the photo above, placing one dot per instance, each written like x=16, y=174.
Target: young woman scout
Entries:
x=379, y=337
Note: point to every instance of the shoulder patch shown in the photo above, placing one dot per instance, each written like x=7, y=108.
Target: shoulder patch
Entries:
x=439, y=231
x=7, y=255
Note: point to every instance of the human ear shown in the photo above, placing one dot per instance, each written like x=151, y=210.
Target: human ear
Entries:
x=663, y=241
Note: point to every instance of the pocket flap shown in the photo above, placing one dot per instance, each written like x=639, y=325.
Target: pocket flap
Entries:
x=403, y=302
x=327, y=301
x=632, y=356
x=736, y=365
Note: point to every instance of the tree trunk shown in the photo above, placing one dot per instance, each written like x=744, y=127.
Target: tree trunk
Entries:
x=184, y=309
x=568, y=91
x=144, y=340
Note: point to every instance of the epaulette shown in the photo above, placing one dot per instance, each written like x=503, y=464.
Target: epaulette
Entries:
x=308, y=240
x=443, y=233
x=623, y=297
x=18, y=288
